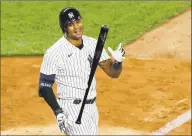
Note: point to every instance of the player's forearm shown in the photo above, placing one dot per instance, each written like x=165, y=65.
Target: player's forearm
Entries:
x=111, y=68
x=115, y=69
x=49, y=97
x=46, y=91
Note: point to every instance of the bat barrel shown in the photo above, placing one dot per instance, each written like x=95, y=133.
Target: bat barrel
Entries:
x=105, y=27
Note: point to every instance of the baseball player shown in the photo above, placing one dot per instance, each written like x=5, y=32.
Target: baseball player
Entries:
x=68, y=63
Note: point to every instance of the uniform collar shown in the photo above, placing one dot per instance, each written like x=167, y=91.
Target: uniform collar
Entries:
x=71, y=46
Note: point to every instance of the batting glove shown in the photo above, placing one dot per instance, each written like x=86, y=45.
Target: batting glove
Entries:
x=63, y=121
x=118, y=54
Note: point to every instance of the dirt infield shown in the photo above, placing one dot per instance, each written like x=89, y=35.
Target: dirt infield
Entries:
x=153, y=89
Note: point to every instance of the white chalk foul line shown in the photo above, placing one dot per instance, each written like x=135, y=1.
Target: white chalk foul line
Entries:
x=173, y=124
x=53, y=129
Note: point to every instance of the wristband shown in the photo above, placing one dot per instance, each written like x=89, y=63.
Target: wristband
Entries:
x=57, y=111
x=117, y=65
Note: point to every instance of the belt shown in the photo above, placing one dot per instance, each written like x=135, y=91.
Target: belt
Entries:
x=89, y=101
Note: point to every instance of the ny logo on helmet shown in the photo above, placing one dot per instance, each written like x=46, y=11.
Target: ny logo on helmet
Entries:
x=70, y=15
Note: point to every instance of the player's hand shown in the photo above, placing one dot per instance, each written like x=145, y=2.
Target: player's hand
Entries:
x=64, y=121
x=61, y=119
x=118, y=54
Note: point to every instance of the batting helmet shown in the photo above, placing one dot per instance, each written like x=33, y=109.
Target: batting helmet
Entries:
x=67, y=15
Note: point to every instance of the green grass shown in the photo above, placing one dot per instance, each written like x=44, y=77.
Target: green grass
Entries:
x=29, y=28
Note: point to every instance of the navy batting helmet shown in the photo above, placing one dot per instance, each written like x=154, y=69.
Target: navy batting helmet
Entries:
x=67, y=15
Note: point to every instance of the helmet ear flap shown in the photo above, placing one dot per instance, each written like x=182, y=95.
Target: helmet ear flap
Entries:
x=63, y=28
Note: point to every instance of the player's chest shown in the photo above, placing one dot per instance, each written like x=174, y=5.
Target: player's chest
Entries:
x=77, y=60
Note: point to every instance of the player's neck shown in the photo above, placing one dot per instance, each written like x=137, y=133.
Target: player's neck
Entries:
x=75, y=42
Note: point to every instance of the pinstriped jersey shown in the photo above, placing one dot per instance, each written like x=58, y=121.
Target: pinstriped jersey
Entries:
x=71, y=67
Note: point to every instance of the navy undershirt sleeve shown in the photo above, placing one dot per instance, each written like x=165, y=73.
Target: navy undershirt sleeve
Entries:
x=46, y=91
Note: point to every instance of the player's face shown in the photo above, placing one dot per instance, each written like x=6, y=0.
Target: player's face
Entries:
x=75, y=30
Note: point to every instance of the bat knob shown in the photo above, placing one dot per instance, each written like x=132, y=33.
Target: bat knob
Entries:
x=78, y=122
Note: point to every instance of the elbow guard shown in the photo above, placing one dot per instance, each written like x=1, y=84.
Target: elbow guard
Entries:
x=45, y=83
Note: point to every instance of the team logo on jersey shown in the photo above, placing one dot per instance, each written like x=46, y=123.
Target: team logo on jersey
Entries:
x=71, y=15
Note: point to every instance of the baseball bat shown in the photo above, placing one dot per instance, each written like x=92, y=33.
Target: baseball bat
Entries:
x=99, y=47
